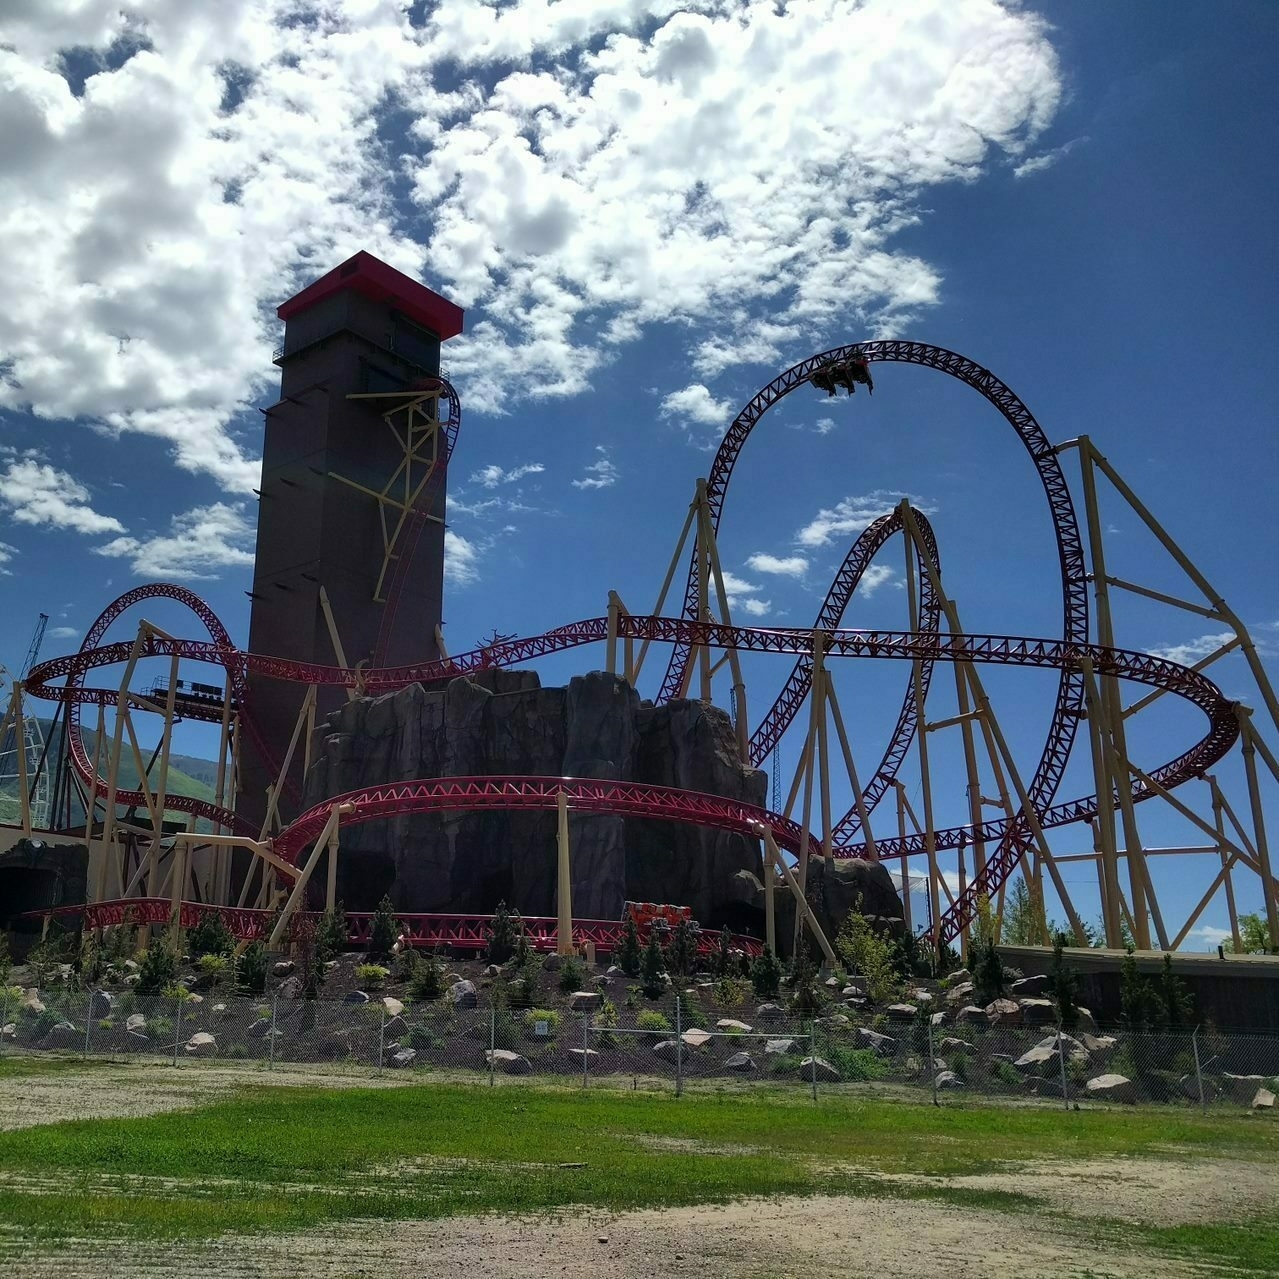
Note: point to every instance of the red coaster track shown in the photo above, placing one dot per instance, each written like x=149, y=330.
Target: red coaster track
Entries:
x=1011, y=836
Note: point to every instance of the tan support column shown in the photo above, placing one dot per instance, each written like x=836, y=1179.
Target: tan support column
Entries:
x=564, y=895
x=1105, y=827
x=1268, y=895
x=1226, y=861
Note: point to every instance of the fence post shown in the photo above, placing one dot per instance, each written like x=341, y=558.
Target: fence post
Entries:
x=270, y=1061
x=1061, y=1057
x=88, y=1024
x=586, y=1043
x=679, y=1048
x=812, y=1056
x=177, y=1028
x=4, y=1016
x=1199, y=1075
x=492, y=1041
x=932, y=1061
x=381, y=1040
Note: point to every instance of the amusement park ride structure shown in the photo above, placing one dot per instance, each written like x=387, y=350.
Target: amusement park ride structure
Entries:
x=162, y=858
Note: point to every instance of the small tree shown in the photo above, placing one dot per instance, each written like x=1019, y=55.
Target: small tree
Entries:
x=681, y=955
x=868, y=955
x=766, y=974
x=653, y=967
x=1178, y=1004
x=523, y=951
x=504, y=935
x=384, y=930
x=6, y=964
x=427, y=982
x=630, y=954
x=989, y=979
x=570, y=975
x=1061, y=981
x=1138, y=999
x=331, y=935
x=210, y=936
x=310, y=970
x=1254, y=935
x=805, y=1000
x=724, y=953
x=250, y=969
x=159, y=968
x=1023, y=919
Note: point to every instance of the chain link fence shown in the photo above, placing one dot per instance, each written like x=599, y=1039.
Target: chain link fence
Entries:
x=674, y=1045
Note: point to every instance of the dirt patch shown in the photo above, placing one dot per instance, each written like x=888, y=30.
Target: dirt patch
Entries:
x=791, y=1238
x=107, y=1092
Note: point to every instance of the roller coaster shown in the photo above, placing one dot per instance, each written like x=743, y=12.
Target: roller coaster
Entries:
x=702, y=639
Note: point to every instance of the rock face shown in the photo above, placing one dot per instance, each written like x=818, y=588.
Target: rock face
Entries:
x=503, y=722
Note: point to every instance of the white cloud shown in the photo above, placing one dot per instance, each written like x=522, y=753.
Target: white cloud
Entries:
x=1213, y=936
x=1038, y=163
x=7, y=553
x=491, y=476
x=875, y=576
x=743, y=596
x=36, y=493
x=825, y=425
x=63, y=632
x=847, y=518
x=601, y=473
x=199, y=541
x=1193, y=650
x=787, y=566
x=577, y=172
x=695, y=404
x=461, y=559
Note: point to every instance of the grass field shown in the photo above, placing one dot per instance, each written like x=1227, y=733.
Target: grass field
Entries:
x=275, y=1159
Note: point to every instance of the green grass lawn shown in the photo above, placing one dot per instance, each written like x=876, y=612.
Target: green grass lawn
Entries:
x=285, y=1158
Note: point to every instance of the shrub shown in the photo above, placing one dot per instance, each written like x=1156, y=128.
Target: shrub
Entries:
x=6, y=964
x=805, y=999
x=505, y=1030
x=605, y=1022
x=331, y=935
x=653, y=968
x=159, y=968
x=724, y=952
x=372, y=975
x=868, y=955
x=681, y=955
x=855, y=1065
x=1061, y=982
x=427, y=982
x=548, y=1015
x=728, y=993
x=176, y=990
x=250, y=969
x=651, y=1019
x=766, y=974
x=504, y=935
x=629, y=954
x=210, y=936
x=570, y=975
x=383, y=931
x=523, y=992
x=420, y=1037
x=989, y=979
x=214, y=965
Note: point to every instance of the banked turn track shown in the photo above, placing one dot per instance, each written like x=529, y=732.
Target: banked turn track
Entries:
x=63, y=678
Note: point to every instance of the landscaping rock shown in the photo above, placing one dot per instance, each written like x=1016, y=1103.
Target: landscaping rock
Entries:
x=696, y=1038
x=1038, y=1060
x=402, y=1059
x=9, y=1030
x=395, y=1027
x=1264, y=1100
x=63, y=1035
x=959, y=976
x=614, y=971
x=1037, y=1012
x=100, y=1005
x=552, y=962
x=1111, y=1088
x=31, y=1001
x=493, y=970
x=960, y=994
x=136, y=1023
x=585, y=1001
x=884, y=1045
x=462, y=994
x=1029, y=987
x=201, y=1044
x=220, y=1010
x=666, y=1049
x=193, y=1000
x=507, y=1062
x=356, y=997
x=938, y=1019
x=970, y=1013
x=1005, y=1012
x=769, y=1014
x=1086, y=1020
x=822, y=1069
x=260, y=1029
x=283, y=968
x=337, y=1044
x=1241, y=1088
x=392, y=1005
x=731, y=1027
x=948, y=1079
x=741, y=1063
x=779, y=1047
x=1104, y=1044
x=290, y=988
x=919, y=997
x=577, y=1054
x=952, y=1045
x=901, y=1012
x=136, y=1041
x=836, y=1021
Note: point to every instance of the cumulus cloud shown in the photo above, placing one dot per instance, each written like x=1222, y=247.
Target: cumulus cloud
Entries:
x=199, y=542
x=1265, y=638
x=600, y=474
x=573, y=173
x=847, y=518
x=743, y=596
x=875, y=576
x=7, y=553
x=34, y=492
x=785, y=566
x=491, y=476
x=1046, y=160
x=696, y=405
x=461, y=559
x=825, y=425
x=63, y=632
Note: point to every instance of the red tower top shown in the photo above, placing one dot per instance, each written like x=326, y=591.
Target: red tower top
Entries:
x=375, y=279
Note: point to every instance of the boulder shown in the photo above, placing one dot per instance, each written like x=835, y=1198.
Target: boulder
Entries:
x=462, y=994
x=136, y=1023
x=919, y=997
x=1264, y=1100
x=959, y=975
x=952, y=1045
x=220, y=1010
x=260, y=1029
x=32, y=1003
x=585, y=1001
x=201, y=1044
x=507, y=1062
x=731, y=1027
x=1111, y=1088
x=1004, y=1012
x=1029, y=987
x=9, y=1031
x=884, y=1045
x=193, y=999
x=836, y=1021
x=901, y=1012
x=961, y=993
x=696, y=1038
x=1241, y=1088
x=779, y=1047
x=970, y=1014
x=63, y=1035
x=938, y=1018
x=402, y=1058
x=1086, y=1021
x=492, y=971
x=395, y=1027
x=741, y=1063
x=948, y=1079
x=337, y=1044
x=1104, y=1044
x=666, y=1049
x=855, y=989
x=552, y=962
x=1041, y=1059
x=356, y=997
x=100, y=1005
x=833, y=983
x=770, y=1014
x=283, y=968
x=392, y=1005
x=1038, y=1012
x=578, y=1054
x=135, y=1041
x=290, y=988
x=819, y=1068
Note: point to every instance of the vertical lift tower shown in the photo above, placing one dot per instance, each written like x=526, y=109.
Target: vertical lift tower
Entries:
x=353, y=480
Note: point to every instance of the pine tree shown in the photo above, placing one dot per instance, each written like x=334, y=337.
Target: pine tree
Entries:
x=159, y=968
x=989, y=980
x=805, y=999
x=653, y=967
x=1061, y=981
x=331, y=935
x=384, y=930
x=427, y=982
x=1136, y=997
x=210, y=936
x=504, y=935
x=724, y=952
x=1178, y=1004
x=681, y=956
x=630, y=955
x=766, y=974
x=250, y=969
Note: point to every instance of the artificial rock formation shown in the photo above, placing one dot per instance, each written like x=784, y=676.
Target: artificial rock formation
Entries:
x=504, y=722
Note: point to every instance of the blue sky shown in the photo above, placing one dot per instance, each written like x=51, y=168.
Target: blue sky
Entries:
x=648, y=211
